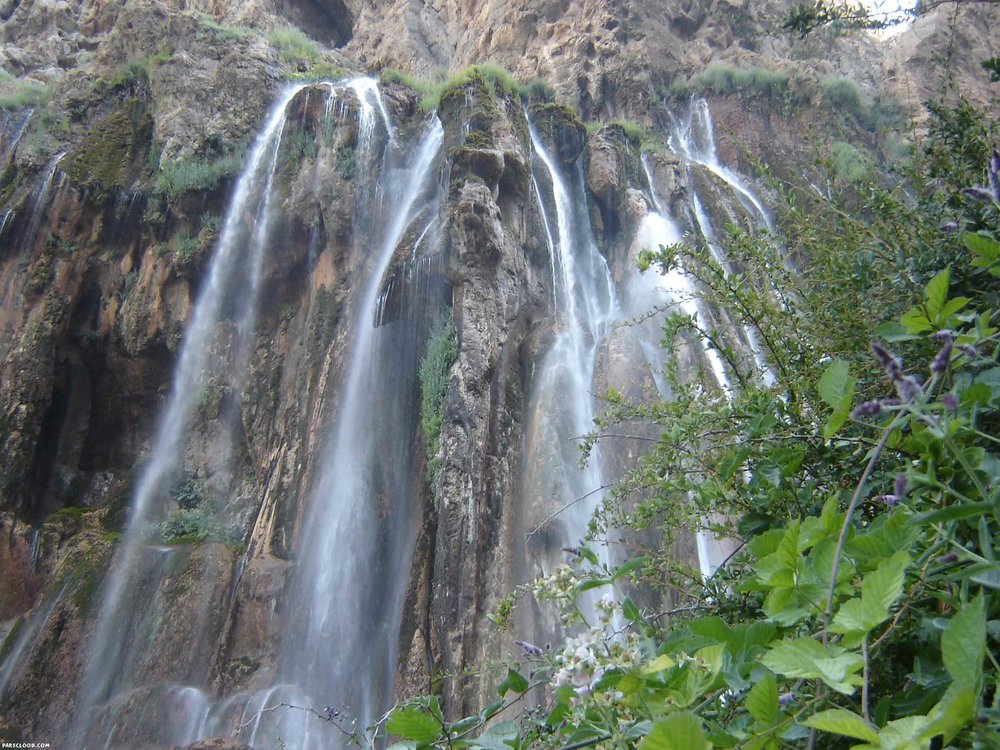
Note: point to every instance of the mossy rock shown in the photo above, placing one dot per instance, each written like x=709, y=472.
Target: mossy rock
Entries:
x=559, y=127
x=112, y=154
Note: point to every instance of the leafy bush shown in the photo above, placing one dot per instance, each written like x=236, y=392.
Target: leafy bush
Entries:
x=861, y=608
x=194, y=525
x=841, y=94
x=25, y=94
x=208, y=26
x=197, y=174
x=435, y=375
x=538, y=90
x=849, y=164
x=293, y=45
x=723, y=79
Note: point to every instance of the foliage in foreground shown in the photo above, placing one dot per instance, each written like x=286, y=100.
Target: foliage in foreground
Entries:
x=861, y=609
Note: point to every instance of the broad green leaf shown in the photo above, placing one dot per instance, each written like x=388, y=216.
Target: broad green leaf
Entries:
x=936, y=293
x=904, y=733
x=885, y=584
x=842, y=721
x=498, y=737
x=679, y=731
x=916, y=321
x=836, y=388
x=808, y=659
x=963, y=645
x=631, y=611
x=413, y=724
x=659, y=664
x=632, y=565
x=985, y=247
x=894, y=331
x=762, y=700
x=517, y=681
x=952, y=714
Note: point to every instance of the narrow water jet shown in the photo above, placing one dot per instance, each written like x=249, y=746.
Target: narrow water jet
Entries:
x=559, y=496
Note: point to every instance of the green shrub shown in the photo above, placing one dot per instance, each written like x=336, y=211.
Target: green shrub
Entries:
x=209, y=27
x=538, y=90
x=186, y=493
x=841, y=94
x=634, y=131
x=435, y=375
x=722, y=80
x=293, y=45
x=320, y=71
x=849, y=163
x=197, y=174
x=25, y=94
x=347, y=163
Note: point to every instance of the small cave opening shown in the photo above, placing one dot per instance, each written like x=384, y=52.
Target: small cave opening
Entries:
x=326, y=21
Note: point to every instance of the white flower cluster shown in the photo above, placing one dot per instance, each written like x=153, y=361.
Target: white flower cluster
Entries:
x=559, y=587
x=584, y=659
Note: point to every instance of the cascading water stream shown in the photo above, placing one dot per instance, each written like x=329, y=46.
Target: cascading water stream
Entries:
x=694, y=138
x=562, y=406
x=350, y=578
x=40, y=200
x=236, y=261
x=362, y=520
x=659, y=229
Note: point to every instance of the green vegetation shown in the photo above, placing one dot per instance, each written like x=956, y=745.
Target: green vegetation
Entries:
x=849, y=163
x=320, y=71
x=25, y=93
x=294, y=47
x=195, y=525
x=861, y=608
x=209, y=27
x=841, y=94
x=435, y=375
x=756, y=82
x=493, y=79
x=197, y=174
x=113, y=152
x=209, y=401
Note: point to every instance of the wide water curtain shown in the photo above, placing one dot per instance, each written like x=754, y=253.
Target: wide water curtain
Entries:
x=363, y=518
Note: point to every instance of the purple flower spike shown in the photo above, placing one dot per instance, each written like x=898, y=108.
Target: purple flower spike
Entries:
x=979, y=193
x=899, y=488
x=950, y=403
x=994, y=174
x=785, y=699
x=944, y=336
x=949, y=227
x=530, y=649
x=575, y=551
x=892, y=364
x=943, y=359
x=908, y=388
x=891, y=501
x=867, y=409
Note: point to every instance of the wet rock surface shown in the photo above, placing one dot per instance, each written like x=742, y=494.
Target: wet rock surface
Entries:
x=104, y=250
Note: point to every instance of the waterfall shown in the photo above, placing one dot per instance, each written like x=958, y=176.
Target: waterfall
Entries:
x=693, y=138
x=362, y=521
x=339, y=643
x=39, y=201
x=232, y=282
x=658, y=228
x=559, y=496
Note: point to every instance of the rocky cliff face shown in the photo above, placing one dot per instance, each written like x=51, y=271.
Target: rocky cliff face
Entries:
x=124, y=125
